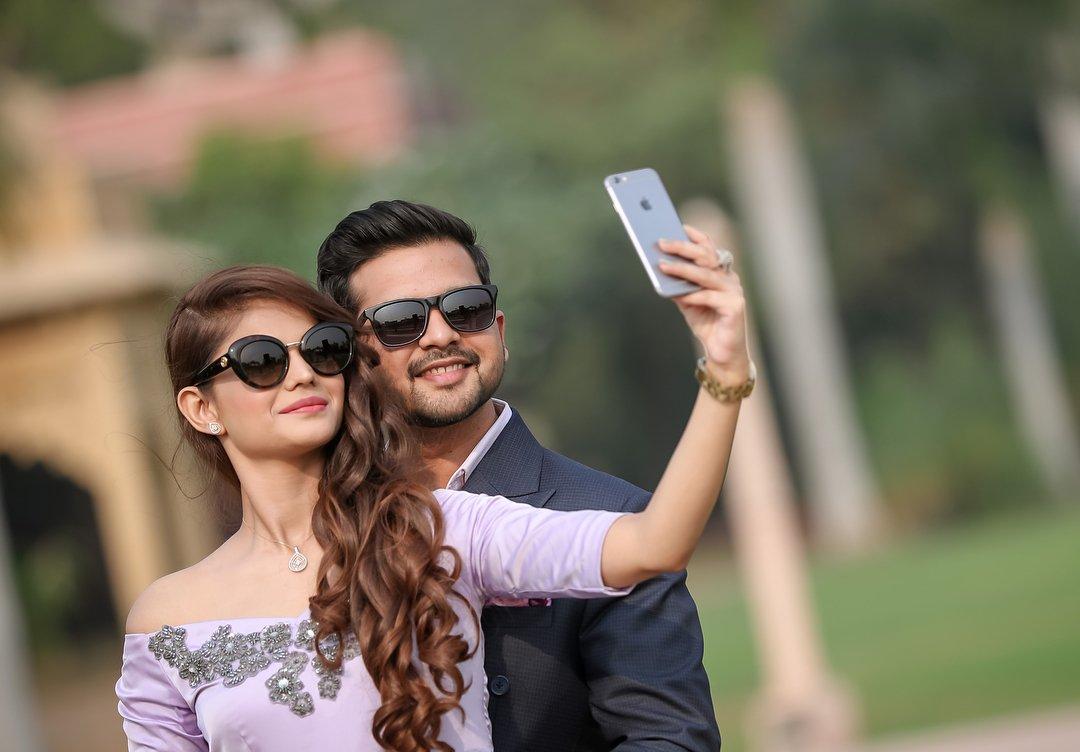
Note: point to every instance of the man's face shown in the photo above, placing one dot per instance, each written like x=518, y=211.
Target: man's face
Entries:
x=446, y=375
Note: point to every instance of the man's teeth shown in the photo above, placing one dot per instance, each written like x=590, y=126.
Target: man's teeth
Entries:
x=447, y=369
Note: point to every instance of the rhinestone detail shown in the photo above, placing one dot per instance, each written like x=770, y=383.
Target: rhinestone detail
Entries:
x=235, y=658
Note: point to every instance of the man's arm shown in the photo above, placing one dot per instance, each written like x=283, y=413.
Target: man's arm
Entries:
x=642, y=661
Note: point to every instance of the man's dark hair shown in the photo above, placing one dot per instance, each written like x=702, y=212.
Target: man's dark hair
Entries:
x=383, y=226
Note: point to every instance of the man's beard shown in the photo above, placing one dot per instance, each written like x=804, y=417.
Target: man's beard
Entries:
x=428, y=413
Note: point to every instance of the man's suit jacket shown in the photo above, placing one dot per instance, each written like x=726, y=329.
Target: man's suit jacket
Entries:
x=585, y=675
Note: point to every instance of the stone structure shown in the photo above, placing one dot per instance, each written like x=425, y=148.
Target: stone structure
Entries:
x=83, y=389
x=346, y=93
x=85, y=292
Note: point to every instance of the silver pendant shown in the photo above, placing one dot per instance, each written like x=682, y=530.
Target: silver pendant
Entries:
x=297, y=562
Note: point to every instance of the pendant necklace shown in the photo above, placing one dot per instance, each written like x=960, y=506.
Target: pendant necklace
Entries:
x=297, y=562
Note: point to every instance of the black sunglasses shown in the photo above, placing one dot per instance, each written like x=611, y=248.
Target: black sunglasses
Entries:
x=401, y=322
x=262, y=361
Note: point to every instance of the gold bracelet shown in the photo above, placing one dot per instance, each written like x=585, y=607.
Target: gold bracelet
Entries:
x=723, y=393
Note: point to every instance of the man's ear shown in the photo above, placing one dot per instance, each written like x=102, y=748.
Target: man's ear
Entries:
x=196, y=408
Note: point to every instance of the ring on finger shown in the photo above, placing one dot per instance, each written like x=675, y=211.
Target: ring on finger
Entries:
x=724, y=259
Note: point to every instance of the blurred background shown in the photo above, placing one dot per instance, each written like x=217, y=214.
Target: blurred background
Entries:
x=895, y=563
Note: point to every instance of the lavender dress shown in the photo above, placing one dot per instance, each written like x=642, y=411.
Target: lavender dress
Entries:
x=256, y=683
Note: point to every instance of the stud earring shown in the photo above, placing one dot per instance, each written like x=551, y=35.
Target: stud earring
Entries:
x=215, y=427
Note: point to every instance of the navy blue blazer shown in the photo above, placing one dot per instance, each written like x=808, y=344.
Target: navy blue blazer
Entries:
x=587, y=675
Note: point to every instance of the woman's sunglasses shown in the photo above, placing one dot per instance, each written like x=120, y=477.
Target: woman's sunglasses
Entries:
x=401, y=322
x=262, y=361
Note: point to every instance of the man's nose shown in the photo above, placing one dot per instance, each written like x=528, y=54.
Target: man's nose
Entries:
x=439, y=334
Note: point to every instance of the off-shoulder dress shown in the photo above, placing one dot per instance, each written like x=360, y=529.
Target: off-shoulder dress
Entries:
x=256, y=683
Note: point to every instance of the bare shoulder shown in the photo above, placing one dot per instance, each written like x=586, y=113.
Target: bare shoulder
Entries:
x=173, y=599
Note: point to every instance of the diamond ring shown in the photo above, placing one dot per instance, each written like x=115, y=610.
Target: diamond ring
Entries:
x=724, y=259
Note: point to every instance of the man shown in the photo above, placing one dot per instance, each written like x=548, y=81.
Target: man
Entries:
x=612, y=673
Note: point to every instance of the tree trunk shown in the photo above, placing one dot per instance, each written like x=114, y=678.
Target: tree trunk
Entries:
x=1028, y=350
x=790, y=265
x=800, y=706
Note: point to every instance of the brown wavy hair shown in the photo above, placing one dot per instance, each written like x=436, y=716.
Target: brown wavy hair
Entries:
x=373, y=518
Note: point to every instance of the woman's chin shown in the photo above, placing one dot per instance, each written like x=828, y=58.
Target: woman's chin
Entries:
x=303, y=443
x=297, y=442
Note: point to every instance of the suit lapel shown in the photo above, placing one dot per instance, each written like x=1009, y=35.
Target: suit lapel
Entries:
x=512, y=467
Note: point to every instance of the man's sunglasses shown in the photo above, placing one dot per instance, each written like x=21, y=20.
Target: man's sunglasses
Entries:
x=262, y=361
x=401, y=322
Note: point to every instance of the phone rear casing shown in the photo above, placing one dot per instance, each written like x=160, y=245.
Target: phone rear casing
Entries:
x=648, y=215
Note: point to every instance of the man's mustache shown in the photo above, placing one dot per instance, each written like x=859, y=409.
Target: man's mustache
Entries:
x=455, y=352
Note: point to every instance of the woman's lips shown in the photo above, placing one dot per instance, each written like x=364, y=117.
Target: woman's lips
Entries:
x=309, y=409
x=306, y=405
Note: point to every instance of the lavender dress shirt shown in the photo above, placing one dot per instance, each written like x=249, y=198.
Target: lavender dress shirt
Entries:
x=254, y=683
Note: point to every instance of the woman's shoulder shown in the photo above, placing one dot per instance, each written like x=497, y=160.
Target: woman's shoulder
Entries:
x=173, y=599
x=161, y=603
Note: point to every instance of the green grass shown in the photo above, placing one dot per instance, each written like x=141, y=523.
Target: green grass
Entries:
x=951, y=626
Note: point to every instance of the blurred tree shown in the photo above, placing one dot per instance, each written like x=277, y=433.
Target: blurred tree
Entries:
x=915, y=113
x=540, y=101
x=64, y=42
x=588, y=338
x=256, y=28
x=1028, y=350
x=941, y=423
x=9, y=168
x=258, y=201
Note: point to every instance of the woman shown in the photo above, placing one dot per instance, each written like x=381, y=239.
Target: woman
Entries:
x=280, y=398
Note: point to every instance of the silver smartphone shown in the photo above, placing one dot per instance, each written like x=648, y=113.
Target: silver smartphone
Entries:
x=648, y=215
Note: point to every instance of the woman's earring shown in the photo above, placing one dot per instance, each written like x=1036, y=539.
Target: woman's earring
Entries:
x=215, y=427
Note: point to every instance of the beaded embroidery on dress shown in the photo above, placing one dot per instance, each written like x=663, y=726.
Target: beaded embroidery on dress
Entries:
x=235, y=658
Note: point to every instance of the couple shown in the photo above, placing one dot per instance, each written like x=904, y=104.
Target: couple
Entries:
x=355, y=608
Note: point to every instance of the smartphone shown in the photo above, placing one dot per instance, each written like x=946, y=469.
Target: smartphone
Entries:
x=648, y=215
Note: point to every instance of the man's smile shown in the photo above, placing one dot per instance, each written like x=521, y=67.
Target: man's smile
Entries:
x=445, y=372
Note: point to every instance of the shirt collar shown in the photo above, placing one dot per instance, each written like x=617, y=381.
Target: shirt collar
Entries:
x=461, y=476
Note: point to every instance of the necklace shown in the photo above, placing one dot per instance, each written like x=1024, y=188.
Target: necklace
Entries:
x=297, y=562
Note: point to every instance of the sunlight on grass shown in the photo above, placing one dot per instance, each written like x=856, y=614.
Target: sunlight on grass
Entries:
x=955, y=625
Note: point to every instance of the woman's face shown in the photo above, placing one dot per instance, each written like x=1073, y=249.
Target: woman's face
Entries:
x=265, y=423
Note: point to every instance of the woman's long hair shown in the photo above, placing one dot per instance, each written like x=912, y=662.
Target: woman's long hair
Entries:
x=373, y=519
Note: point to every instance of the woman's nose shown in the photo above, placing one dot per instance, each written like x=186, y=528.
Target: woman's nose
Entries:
x=300, y=371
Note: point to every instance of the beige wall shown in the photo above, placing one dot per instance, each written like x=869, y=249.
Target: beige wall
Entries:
x=84, y=391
